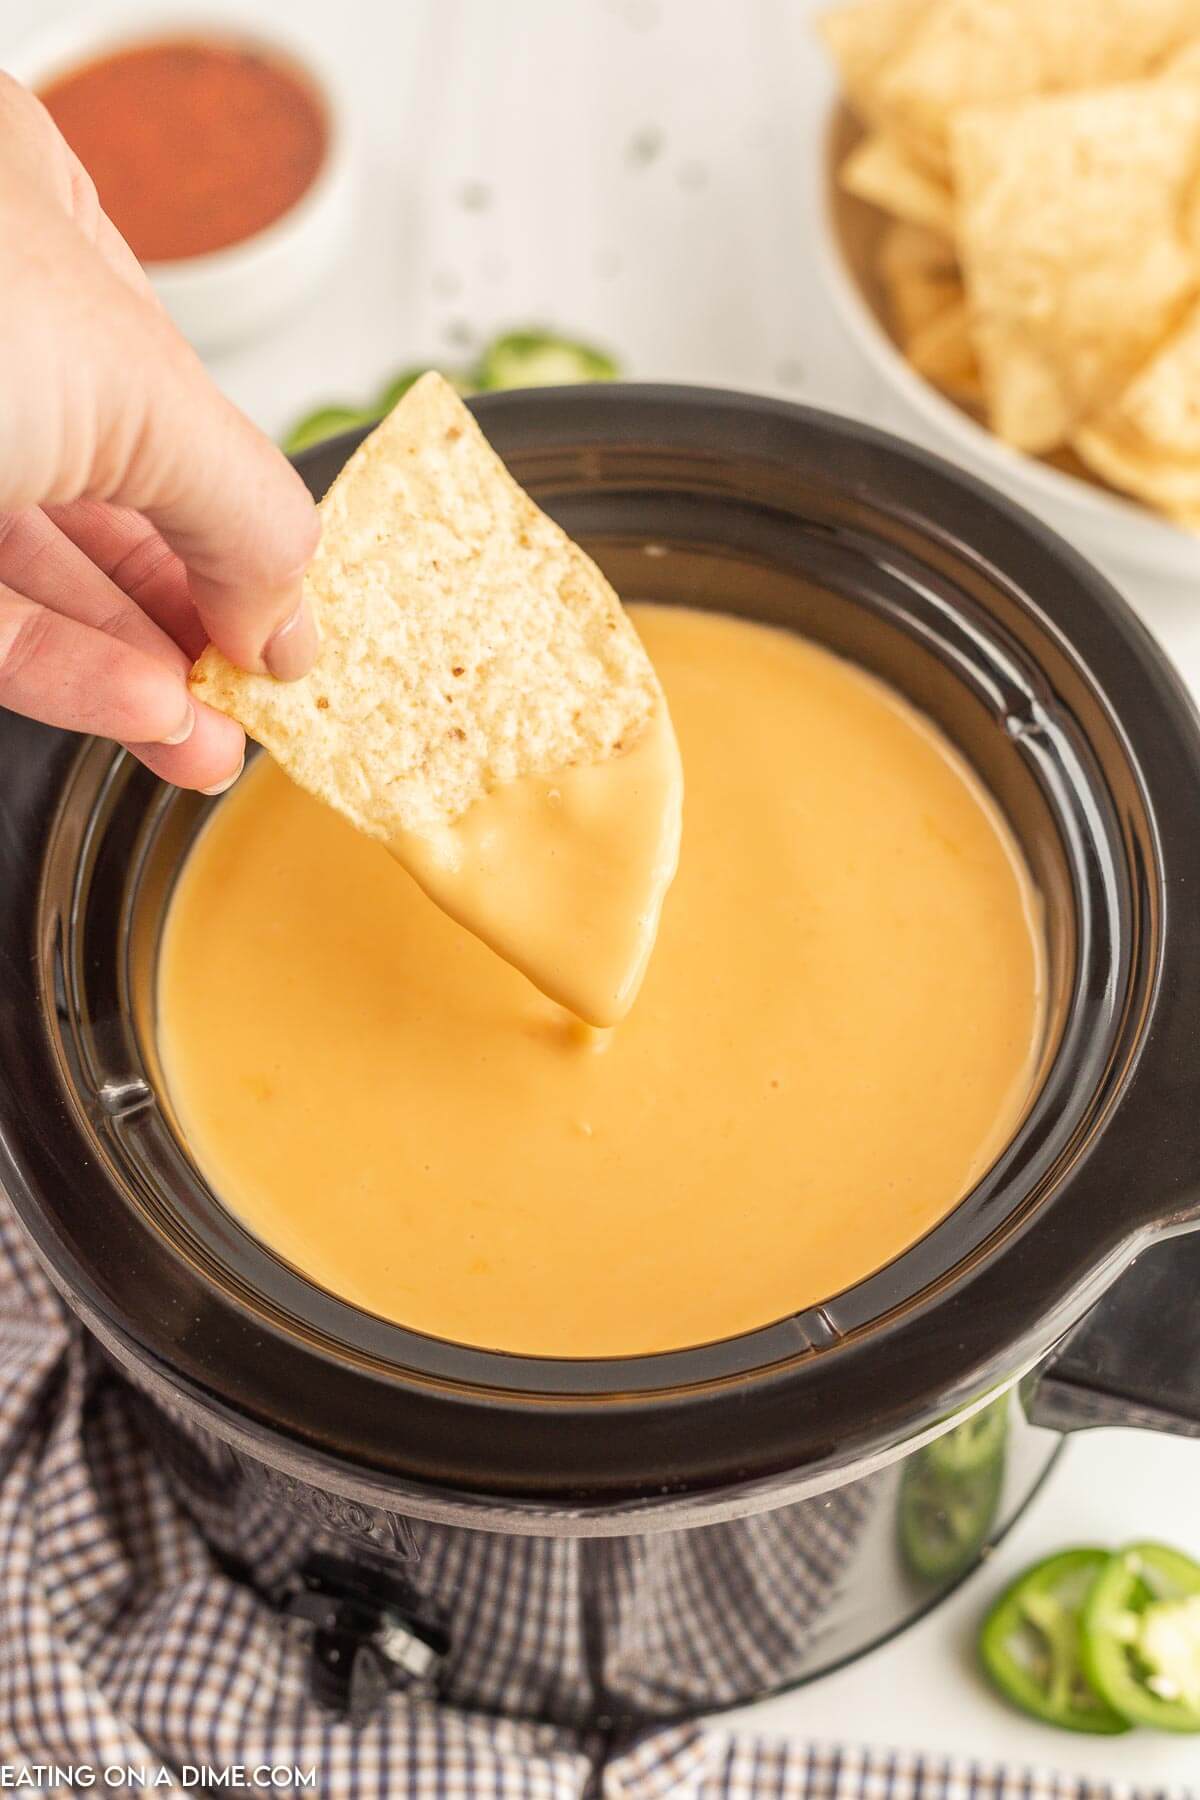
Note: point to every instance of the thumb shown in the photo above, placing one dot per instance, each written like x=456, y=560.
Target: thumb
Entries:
x=226, y=501
x=238, y=516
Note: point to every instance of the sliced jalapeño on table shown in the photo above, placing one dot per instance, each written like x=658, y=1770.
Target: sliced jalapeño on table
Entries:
x=1141, y=1636
x=394, y=390
x=1032, y=1644
x=542, y=359
x=324, y=422
x=515, y=359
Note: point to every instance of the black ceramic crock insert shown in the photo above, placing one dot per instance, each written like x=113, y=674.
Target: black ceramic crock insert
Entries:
x=1023, y=655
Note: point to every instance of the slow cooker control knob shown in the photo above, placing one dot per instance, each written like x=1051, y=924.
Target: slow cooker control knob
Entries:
x=365, y=1637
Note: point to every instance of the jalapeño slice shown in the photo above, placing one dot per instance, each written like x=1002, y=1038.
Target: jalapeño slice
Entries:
x=1032, y=1646
x=540, y=359
x=1141, y=1637
x=398, y=386
x=325, y=422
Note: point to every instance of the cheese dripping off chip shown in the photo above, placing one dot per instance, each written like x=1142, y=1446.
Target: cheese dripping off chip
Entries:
x=482, y=705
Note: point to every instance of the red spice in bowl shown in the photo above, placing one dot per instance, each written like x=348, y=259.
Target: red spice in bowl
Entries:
x=192, y=144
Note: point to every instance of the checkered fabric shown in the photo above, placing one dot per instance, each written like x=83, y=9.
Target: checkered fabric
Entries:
x=128, y=1657
x=639, y=1628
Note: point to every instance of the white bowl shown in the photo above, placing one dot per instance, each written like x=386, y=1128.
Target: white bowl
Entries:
x=232, y=294
x=1121, y=534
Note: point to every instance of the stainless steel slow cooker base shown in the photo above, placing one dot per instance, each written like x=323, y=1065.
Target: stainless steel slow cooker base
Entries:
x=608, y=1633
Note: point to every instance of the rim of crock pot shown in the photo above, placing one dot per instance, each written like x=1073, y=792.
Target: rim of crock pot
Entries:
x=795, y=1419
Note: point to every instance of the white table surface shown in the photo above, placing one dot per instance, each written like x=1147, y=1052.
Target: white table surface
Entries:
x=642, y=172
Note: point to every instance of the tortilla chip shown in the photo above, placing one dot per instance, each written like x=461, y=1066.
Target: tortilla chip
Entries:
x=943, y=352
x=863, y=38
x=465, y=640
x=1148, y=442
x=1073, y=238
x=1184, y=65
x=880, y=171
x=917, y=301
x=970, y=52
x=1071, y=463
x=911, y=249
x=920, y=278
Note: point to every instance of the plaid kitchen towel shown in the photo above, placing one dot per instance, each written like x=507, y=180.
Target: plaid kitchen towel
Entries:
x=130, y=1661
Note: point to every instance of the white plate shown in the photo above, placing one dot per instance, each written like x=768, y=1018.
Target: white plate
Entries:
x=1117, y=532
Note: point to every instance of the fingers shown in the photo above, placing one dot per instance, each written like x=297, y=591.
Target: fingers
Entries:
x=62, y=672
x=36, y=149
x=105, y=402
x=238, y=516
x=211, y=758
x=40, y=562
x=128, y=549
x=220, y=494
x=104, y=399
x=45, y=573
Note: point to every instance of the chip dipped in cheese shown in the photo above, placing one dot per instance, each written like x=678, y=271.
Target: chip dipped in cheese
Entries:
x=482, y=704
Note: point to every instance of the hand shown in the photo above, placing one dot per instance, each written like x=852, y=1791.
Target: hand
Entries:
x=140, y=513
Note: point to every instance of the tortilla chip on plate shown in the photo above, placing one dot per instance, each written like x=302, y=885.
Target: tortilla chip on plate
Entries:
x=942, y=351
x=881, y=171
x=917, y=301
x=967, y=52
x=920, y=278
x=1148, y=442
x=1184, y=63
x=863, y=38
x=912, y=249
x=1185, y=66
x=1073, y=238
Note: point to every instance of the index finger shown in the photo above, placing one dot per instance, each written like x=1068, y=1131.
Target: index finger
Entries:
x=127, y=548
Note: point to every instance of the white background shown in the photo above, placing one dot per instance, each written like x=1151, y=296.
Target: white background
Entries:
x=645, y=172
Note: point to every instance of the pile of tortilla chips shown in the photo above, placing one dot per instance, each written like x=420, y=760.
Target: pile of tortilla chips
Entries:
x=1039, y=163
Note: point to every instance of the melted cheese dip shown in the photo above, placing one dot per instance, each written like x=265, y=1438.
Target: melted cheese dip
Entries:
x=837, y=1033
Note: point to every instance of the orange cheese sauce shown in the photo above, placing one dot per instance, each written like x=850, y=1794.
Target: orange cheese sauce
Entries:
x=565, y=876
x=837, y=1032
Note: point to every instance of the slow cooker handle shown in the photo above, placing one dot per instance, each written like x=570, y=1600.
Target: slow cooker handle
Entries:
x=1135, y=1357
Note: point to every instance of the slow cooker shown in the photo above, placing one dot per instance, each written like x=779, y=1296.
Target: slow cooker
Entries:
x=606, y=1543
